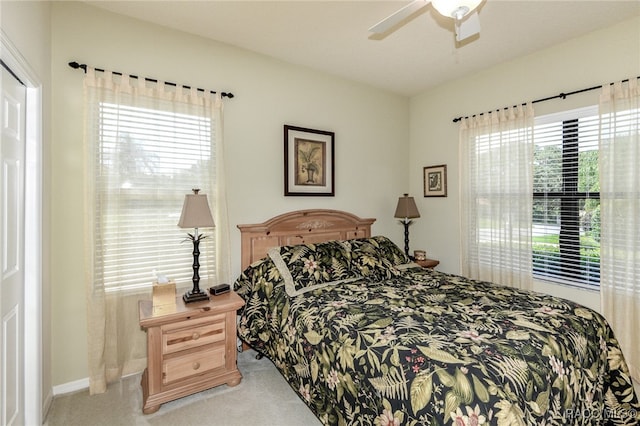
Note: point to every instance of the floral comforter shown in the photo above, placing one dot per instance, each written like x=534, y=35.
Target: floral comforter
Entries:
x=366, y=340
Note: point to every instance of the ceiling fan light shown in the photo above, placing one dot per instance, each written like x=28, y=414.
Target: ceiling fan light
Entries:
x=456, y=9
x=460, y=12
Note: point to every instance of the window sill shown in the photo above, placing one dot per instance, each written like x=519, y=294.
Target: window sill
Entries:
x=589, y=297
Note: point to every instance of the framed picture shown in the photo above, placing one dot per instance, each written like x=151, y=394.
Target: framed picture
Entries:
x=308, y=161
x=435, y=181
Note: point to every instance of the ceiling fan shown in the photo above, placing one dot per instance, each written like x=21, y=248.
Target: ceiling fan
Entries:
x=467, y=22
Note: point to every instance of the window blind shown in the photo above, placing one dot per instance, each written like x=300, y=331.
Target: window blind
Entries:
x=146, y=160
x=566, y=198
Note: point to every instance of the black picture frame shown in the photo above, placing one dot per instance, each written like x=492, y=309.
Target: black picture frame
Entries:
x=435, y=181
x=309, y=162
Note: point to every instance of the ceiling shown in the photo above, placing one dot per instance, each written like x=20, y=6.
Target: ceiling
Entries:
x=420, y=53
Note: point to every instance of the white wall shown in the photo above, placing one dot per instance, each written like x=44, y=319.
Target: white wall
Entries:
x=601, y=57
x=371, y=129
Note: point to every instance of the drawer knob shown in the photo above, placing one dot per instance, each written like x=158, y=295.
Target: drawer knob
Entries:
x=196, y=365
x=195, y=336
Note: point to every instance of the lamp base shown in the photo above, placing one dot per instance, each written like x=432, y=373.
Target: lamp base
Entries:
x=192, y=296
x=406, y=224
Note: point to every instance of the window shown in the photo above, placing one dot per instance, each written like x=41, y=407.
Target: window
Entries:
x=146, y=160
x=566, y=198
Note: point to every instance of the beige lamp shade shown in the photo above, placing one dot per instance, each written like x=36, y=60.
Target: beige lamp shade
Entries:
x=196, y=212
x=406, y=208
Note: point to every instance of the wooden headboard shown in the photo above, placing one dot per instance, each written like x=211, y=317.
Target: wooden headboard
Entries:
x=299, y=227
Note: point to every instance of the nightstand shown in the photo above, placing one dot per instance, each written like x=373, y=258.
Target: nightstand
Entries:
x=190, y=348
x=427, y=263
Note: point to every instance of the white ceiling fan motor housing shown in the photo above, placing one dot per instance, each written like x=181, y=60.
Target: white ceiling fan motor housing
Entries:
x=456, y=9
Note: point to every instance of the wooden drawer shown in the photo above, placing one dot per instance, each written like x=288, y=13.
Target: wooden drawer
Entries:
x=190, y=348
x=193, y=333
x=192, y=364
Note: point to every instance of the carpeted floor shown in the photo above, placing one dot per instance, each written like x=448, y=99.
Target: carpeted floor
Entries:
x=263, y=398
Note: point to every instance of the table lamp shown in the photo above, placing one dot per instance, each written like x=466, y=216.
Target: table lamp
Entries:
x=195, y=214
x=406, y=210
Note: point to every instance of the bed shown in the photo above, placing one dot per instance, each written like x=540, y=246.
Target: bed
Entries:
x=366, y=337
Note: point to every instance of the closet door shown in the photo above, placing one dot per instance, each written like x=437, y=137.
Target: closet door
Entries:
x=12, y=274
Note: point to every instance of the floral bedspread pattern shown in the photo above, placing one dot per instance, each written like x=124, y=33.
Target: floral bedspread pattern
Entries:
x=422, y=347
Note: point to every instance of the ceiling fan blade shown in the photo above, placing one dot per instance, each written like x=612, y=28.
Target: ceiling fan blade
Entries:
x=394, y=19
x=468, y=26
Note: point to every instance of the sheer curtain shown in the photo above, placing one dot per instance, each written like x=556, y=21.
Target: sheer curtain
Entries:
x=620, y=215
x=146, y=146
x=496, y=196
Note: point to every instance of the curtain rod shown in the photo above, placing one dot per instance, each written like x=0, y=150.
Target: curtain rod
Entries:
x=558, y=96
x=76, y=65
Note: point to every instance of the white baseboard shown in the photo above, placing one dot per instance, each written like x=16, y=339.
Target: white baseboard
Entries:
x=71, y=387
x=79, y=385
